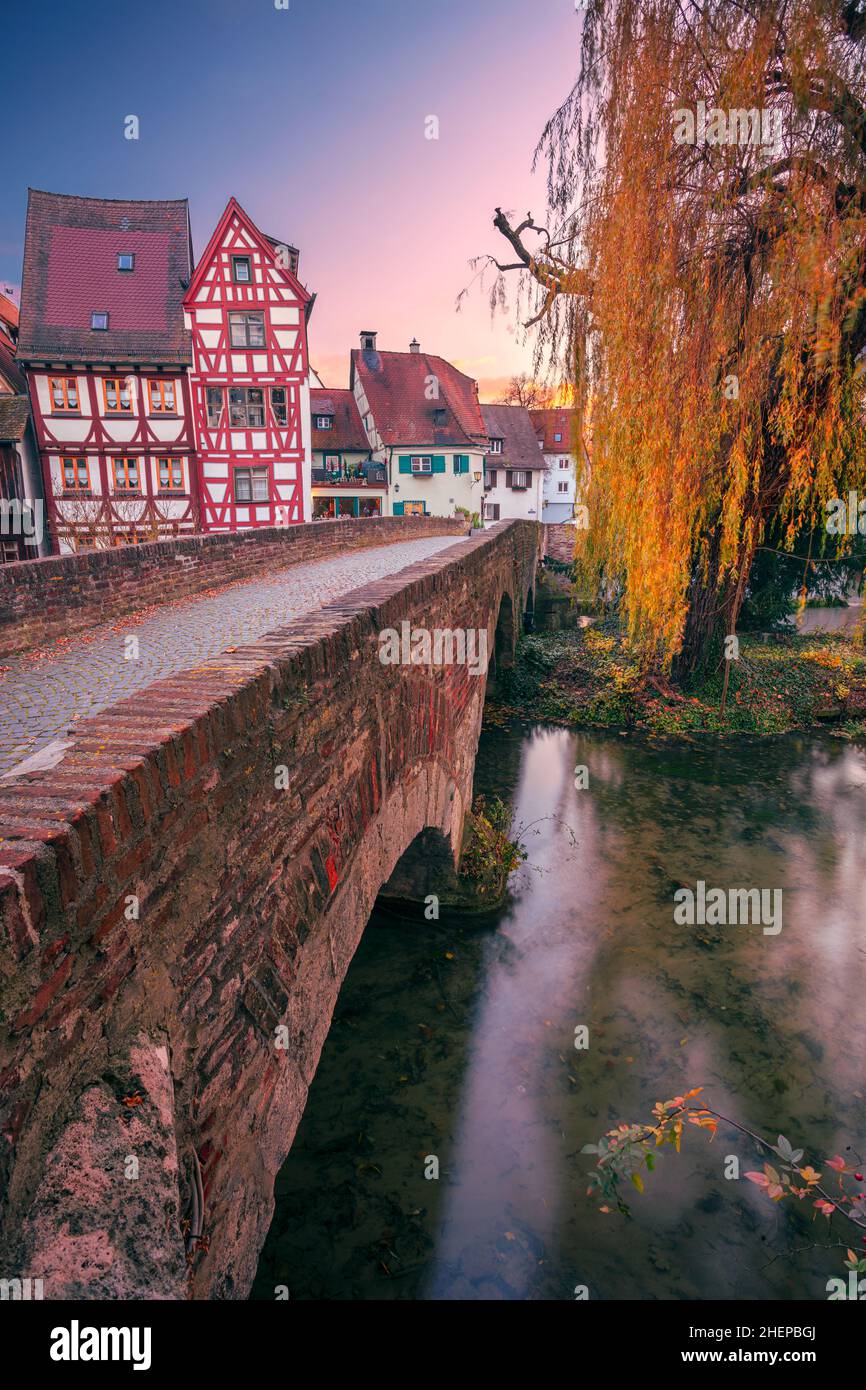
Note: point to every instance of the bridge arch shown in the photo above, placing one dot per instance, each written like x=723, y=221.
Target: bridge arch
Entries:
x=251, y=809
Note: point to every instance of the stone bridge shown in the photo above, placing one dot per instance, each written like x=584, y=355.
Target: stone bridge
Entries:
x=180, y=898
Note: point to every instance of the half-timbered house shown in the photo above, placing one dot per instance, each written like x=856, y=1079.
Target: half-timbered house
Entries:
x=106, y=351
x=248, y=313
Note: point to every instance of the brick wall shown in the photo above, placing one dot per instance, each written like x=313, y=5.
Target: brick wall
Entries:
x=41, y=599
x=161, y=897
x=558, y=540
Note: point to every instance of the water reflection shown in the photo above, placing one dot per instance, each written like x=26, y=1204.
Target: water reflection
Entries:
x=492, y=1084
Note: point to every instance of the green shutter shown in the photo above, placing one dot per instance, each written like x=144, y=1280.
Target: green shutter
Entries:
x=405, y=464
x=398, y=508
x=437, y=463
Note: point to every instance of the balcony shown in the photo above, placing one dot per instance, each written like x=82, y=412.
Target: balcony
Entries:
x=362, y=475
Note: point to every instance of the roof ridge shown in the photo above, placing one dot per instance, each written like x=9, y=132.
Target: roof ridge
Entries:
x=94, y=198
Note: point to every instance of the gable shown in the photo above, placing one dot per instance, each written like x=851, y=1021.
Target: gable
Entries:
x=213, y=280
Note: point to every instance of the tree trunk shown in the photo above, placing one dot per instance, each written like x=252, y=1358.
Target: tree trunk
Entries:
x=712, y=612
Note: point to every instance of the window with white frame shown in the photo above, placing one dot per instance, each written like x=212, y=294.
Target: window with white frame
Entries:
x=252, y=485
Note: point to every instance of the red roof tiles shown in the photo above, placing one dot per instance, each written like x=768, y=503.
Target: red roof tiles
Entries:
x=70, y=271
x=347, y=431
x=398, y=386
x=550, y=423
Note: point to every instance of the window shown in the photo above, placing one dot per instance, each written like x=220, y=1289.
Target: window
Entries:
x=252, y=485
x=323, y=422
x=562, y=487
x=491, y=478
x=117, y=394
x=491, y=511
x=247, y=330
x=126, y=476
x=332, y=463
x=170, y=475
x=246, y=407
x=461, y=463
x=99, y=321
x=76, y=475
x=126, y=260
x=161, y=397
x=63, y=391
x=242, y=272
x=215, y=406
x=413, y=508
x=278, y=405
x=519, y=479
x=557, y=439
x=422, y=463
x=496, y=446
x=563, y=463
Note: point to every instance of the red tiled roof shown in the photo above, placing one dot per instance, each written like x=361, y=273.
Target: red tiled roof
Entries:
x=348, y=431
x=511, y=424
x=396, y=385
x=70, y=270
x=9, y=369
x=559, y=421
x=9, y=312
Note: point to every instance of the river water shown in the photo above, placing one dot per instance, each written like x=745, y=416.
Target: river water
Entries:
x=456, y=1041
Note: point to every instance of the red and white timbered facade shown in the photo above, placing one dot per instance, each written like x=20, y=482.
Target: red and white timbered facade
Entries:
x=247, y=314
x=117, y=453
x=106, y=354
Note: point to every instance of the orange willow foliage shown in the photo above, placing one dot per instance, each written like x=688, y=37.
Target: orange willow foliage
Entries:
x=717, y=336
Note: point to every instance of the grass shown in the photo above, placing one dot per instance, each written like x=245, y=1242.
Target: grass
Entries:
x=589, y=678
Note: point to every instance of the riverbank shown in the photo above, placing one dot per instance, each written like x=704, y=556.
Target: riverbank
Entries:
x=588, y=678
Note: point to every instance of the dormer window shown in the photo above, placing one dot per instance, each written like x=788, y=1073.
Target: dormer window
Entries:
x=126, y=260
x=496, y=446
x=99, y=321
x=323, y=422
x=242, y=271
x=557, y=439
x=439, y=418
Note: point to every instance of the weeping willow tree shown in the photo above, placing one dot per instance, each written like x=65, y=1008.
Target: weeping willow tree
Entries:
x=702, y=269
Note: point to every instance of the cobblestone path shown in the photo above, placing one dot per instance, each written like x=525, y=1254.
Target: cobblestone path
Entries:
x=42, y=694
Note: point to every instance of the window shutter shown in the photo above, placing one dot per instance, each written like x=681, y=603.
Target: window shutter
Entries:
x=405, y=465
x=437, y=463
x=398, y=506
x=509, y=478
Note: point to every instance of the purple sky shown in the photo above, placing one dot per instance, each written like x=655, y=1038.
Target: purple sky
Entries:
x=314, y=118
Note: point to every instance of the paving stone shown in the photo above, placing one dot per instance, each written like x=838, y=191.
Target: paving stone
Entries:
x=42, y=696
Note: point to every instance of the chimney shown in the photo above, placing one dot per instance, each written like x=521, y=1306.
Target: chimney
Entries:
x=414, y=346
x=368, y=340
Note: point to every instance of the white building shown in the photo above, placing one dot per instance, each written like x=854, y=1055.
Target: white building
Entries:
x=423, y=422
x=515, y=470
x=559, y=442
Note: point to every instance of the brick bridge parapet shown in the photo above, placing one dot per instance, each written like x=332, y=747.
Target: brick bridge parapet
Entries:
x=180, y=898
x=62, y=594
